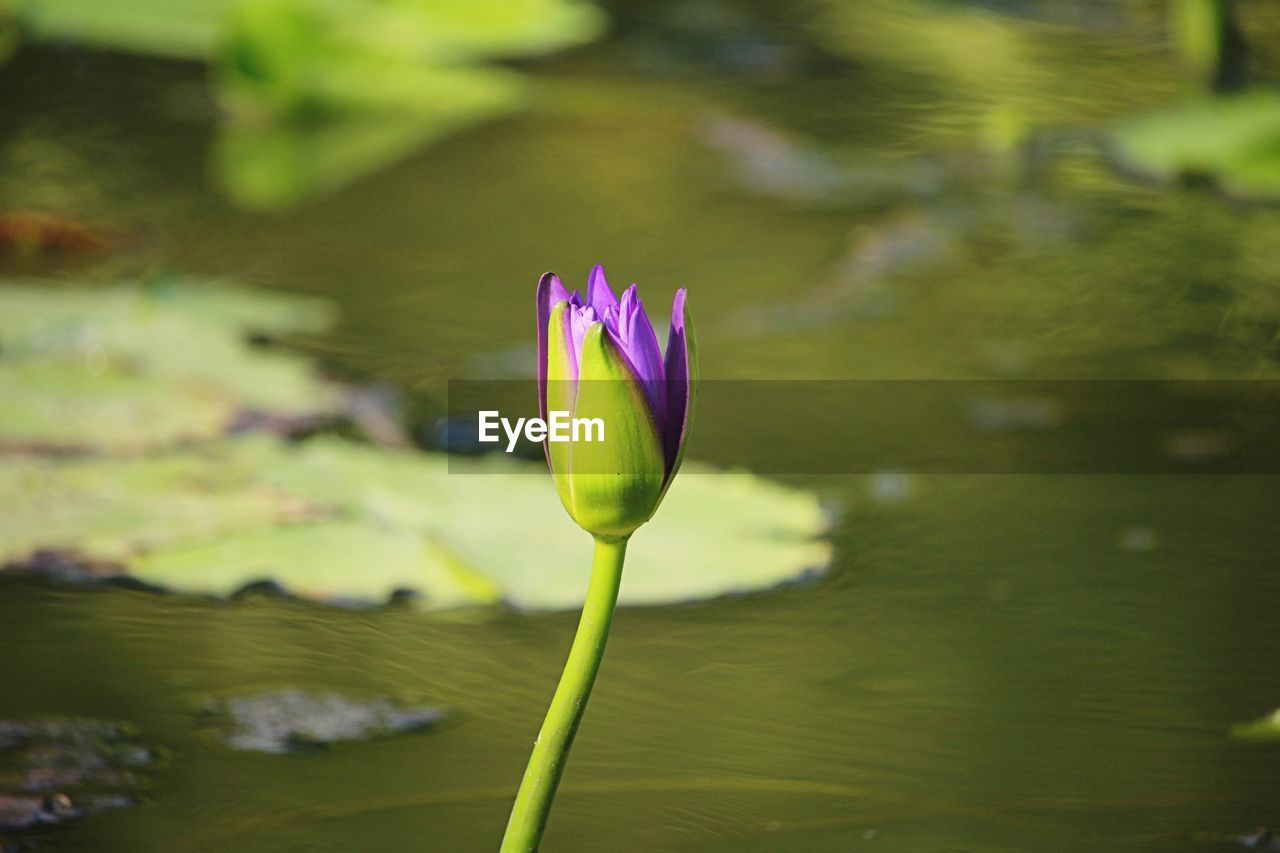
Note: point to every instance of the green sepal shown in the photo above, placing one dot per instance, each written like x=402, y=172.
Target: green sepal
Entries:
x=616, y=484
x=561, y=388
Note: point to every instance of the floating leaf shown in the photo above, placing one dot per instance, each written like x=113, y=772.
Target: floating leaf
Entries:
x=83, y=406
x=344, y=523
x=131, y=368
x=116, y=509
x=243, y=308
x=1234, y=140
x=350, y=563
x=716, y=533
x=503, y=518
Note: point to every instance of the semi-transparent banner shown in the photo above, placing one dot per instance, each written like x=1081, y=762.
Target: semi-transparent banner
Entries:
x=865, y=426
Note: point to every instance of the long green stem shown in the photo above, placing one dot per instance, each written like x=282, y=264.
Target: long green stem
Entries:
x=551, y=749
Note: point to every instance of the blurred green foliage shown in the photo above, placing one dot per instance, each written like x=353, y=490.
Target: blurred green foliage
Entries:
x=433, y=30
x=321, y=91
x=277, y=161
x=1234, y=141
x=1209, y=41
x=180, y=29
x=1195, y=25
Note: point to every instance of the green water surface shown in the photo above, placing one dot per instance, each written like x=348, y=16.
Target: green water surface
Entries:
x=993, y=663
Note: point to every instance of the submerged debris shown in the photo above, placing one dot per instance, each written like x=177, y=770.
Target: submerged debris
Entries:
x=52, y=771
x=36, y=233
x=1015, y=414
x=1260, y=839
x=26, y=812
x=293, y=720
x=858, y=285
x=1139, y=539
x=22, y=813
x=768, y=163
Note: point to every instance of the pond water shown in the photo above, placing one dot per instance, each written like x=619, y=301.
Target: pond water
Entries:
x=993, y=663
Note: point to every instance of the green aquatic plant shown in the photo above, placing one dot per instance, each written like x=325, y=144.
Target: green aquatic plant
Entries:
x=319, y=92
x=1227, y=134
x=1209, y=42
x=1232, y=141
x=139, y=438
x=197, y=29
x=598, y=357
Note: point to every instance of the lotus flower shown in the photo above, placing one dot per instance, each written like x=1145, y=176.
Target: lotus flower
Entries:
x=598, y=357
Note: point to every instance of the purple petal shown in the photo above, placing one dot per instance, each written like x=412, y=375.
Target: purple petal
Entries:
x=580, y=319
x=678, y=386
x=599, y=294
x=639, y=343
x=550, y=291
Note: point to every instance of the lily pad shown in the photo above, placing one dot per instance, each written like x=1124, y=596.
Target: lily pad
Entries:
x=503, y=519
x=716, y=533
x=117, y=509
x=1232, y=140
x=350, y=563
x=335, y=521
x=47, y=406
x=157, y=375
x=149, y=366
x=294, y=720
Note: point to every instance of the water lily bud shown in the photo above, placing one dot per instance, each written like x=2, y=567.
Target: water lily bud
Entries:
x=598, y=358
